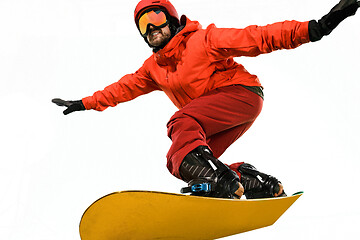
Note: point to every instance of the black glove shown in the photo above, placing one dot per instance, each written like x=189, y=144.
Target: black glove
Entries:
x=72, y=106
x=323, y=27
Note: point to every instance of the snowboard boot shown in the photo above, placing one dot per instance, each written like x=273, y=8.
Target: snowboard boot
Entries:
x=257, y=184
x=207, y=176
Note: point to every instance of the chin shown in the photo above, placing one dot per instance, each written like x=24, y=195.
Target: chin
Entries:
x=157, y=43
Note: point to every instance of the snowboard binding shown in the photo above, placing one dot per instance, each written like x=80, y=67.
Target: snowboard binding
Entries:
x=221, y=182
x=257, y=184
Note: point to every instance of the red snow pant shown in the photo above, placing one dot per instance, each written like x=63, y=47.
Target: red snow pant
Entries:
x=216, y=119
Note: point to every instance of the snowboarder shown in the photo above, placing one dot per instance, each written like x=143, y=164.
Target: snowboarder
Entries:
x=218, y=100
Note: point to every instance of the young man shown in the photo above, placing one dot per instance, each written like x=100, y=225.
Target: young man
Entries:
x=218, y=99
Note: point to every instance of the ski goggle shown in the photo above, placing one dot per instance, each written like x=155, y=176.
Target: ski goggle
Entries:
x=155, y=17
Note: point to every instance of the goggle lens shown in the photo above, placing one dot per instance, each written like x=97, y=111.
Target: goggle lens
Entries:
x=154, y=17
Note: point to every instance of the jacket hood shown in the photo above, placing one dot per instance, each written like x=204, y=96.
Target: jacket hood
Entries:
x=186, y=27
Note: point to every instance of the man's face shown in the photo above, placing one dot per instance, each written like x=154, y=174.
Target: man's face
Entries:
x=158, y=36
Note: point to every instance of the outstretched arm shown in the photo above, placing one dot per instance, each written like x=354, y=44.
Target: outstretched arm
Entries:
x=127, y=88
x=254, y=40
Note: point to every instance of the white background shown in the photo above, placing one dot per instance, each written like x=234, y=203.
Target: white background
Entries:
x=53, y=166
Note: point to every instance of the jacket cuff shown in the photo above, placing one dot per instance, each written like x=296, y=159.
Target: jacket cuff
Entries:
x=87, y=103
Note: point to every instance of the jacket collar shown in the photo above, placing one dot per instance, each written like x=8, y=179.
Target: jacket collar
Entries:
x=172, y=46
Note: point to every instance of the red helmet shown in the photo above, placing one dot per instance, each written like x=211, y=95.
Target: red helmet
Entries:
x=164, y=4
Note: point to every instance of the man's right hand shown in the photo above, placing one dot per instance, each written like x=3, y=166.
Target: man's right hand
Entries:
x=72, y=106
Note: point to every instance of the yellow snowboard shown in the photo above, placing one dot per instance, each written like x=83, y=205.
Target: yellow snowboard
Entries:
x=157, y=215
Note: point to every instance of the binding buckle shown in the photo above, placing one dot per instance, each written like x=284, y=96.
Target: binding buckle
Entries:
x=201, y=187
x=197, y=188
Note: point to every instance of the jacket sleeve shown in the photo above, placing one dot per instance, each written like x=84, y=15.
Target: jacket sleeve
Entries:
x=127, y=88
x=251, y=41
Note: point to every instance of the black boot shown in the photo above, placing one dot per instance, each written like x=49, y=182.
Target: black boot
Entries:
x=207, y=176
x=257, y=184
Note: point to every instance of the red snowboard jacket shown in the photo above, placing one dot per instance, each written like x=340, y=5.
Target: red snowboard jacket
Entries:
x=197, y=60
